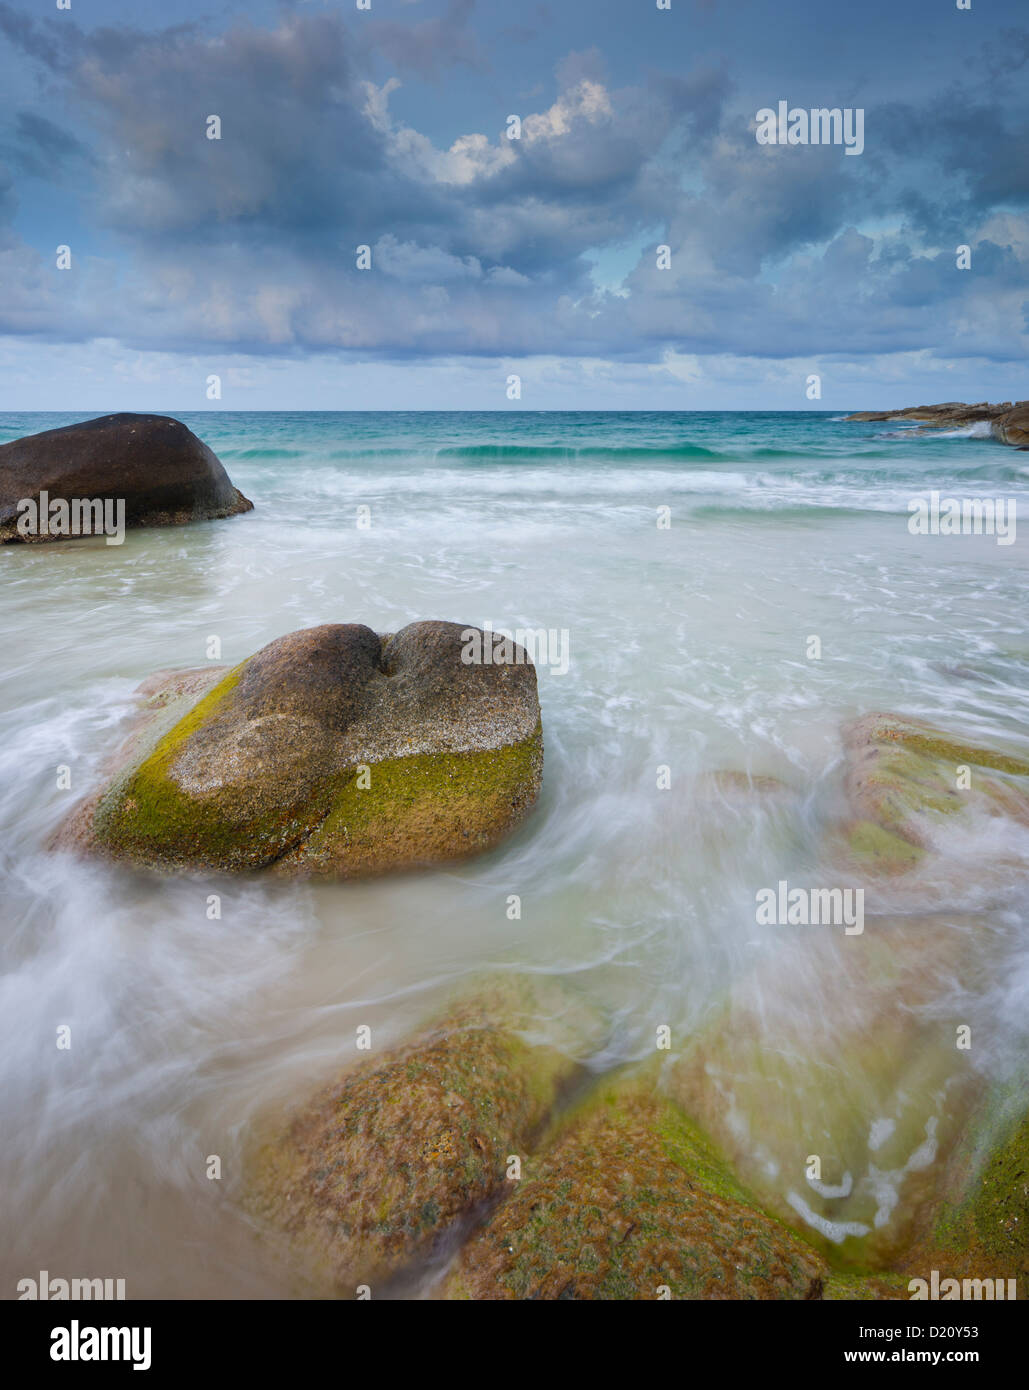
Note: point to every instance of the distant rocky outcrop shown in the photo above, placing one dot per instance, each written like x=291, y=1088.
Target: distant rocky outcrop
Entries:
x=1008, y=423
x=153, y=465
x=332, y=751
x=1013, y=427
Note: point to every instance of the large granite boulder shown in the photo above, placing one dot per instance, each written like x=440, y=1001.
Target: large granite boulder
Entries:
x=332, y=751
x=159, y=469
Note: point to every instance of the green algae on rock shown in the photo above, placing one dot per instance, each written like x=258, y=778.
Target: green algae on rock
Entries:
x=880, y=850
x=333, y=751
x=372, y=1172
x=905, y=779
x=873, y=1048
x=631, y=1202
x=980, y=1225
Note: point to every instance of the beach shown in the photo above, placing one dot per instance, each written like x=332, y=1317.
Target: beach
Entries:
x=686, y=561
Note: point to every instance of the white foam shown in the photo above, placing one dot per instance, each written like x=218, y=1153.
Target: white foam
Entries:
x=879, y=1132
x=825, y=1189
x=979, y=430
x=836, y=1231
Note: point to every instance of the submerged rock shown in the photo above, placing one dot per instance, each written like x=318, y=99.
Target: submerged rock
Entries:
x=630, y=1202
x=731, y=784
x=863, y=1072
x=331, y=751
x=159, y=469
x=375, y=1170
x=980, y=1225
x=904, y=780
x=839, y=1054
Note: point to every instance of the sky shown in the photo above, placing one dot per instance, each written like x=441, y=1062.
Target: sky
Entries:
x=389, y=127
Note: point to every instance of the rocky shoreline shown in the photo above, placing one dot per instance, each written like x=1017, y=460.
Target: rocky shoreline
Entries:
x=1009, y=422
x=478, y=1156
x=476, y=1161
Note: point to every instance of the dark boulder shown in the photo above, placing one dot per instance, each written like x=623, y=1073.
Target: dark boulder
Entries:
x=162, y=472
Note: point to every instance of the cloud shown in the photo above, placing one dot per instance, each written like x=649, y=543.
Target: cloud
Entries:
x=434, y=45
x=485, y=245
x=42, y=148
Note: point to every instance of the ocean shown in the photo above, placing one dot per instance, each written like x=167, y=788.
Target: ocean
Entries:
x=689, y=559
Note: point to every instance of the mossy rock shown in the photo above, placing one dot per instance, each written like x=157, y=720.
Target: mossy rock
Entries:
x=333, y=751
x=864, y=1078
x=869, y=846
x=864, y=1288
x=448, y=805
x=902, y=783
x=980, y=1227
x=994, y=1217
x=631, y=1202
x=373, y=1172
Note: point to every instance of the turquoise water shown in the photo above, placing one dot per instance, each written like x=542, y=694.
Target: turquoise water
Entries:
x=689, y=647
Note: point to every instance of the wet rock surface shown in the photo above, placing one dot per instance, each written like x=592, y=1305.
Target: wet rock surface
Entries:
x=376, y=1169
x=630, y=1202
x=158, y=467
x=332, y=751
